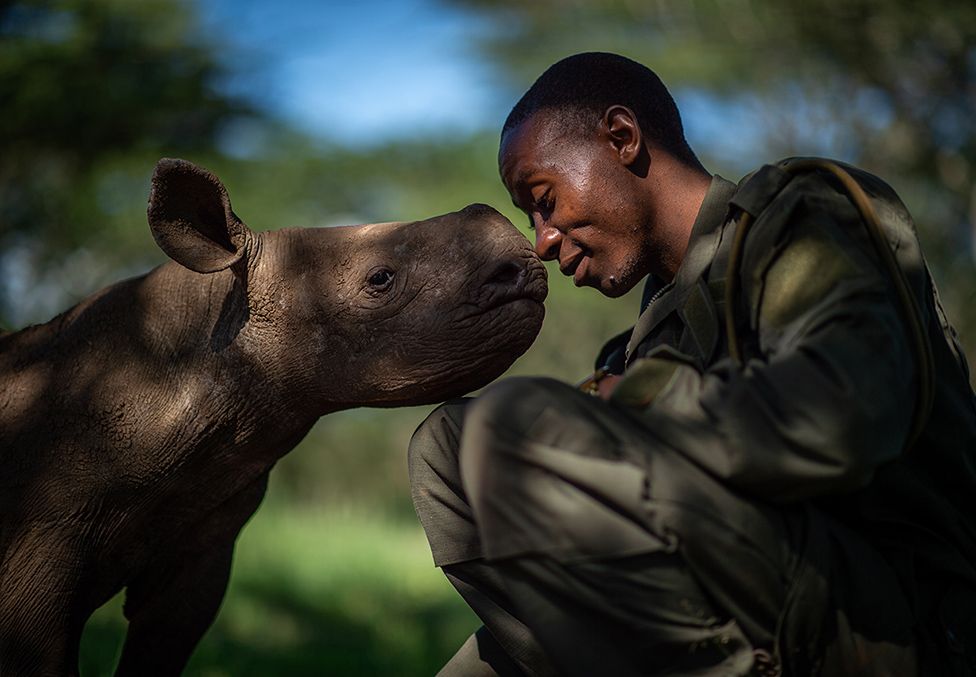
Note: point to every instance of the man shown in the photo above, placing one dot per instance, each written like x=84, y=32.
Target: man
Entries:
x=783, y=485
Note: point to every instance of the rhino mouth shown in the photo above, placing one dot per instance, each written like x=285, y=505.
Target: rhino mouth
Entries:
x=527, y=283
x=535, y=294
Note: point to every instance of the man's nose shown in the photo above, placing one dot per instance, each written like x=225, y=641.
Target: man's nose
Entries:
x=547, y=241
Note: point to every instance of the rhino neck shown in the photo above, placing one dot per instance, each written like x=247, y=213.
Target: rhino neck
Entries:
x=264, y=330
x=215, y=359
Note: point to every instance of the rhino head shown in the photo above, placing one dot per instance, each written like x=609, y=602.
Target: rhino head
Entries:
x=383, y=314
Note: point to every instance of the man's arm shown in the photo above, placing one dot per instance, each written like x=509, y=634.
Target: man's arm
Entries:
x=832, y=395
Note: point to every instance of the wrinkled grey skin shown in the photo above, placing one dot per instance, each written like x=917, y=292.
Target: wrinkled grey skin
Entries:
x=138, y=428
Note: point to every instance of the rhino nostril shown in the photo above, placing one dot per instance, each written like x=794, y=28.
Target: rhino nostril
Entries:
x=506, y=273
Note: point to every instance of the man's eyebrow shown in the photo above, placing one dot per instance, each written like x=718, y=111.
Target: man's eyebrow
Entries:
x=523, y=175
x=518, y=191
x=522, y=178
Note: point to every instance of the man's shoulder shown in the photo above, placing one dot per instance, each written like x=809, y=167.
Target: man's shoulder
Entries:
x=799, y=178
x=817, y=193
x=826, y=221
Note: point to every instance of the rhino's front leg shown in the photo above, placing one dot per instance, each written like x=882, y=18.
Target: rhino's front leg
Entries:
x=170, y=608
x=173, y=602
x=40, y=616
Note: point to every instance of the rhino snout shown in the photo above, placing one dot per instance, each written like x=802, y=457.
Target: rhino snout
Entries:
x=510, y=273
x=515, y=277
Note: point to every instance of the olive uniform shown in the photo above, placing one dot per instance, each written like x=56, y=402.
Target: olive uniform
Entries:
x=774, y=516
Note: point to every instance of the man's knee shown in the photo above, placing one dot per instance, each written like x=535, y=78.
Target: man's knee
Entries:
x=504, y=427
x=512, y=406
x=543, y=474
x=516, y=415
x=435, y=486
x=549, y=469
x=433, y=449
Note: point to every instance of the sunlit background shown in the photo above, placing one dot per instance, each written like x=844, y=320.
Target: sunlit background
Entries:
x=322, y=113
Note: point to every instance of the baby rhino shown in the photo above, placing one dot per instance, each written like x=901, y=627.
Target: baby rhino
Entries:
x=138, y=428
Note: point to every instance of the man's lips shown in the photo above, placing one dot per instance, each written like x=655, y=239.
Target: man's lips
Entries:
x=580, y=273
x=575, y=267
x=568, y=266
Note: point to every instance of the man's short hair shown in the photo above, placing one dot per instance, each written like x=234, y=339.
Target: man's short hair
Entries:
x=583, y=86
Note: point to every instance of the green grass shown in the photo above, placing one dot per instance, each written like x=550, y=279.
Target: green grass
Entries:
x=317, y=592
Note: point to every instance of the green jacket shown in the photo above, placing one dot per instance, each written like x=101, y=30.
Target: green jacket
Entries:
x=822, y=407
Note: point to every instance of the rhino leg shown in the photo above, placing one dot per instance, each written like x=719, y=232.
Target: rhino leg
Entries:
x=40, y=618
x=177, y=601
x=172, y=602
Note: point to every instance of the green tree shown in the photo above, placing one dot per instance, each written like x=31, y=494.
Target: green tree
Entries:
x=91, y=89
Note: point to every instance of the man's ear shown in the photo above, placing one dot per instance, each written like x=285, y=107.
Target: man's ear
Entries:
x=191, y=218
x=620, y=124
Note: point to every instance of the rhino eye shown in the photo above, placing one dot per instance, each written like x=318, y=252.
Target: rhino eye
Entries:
x=380, y=278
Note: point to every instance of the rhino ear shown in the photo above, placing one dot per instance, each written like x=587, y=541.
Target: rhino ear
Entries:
x=191, y=218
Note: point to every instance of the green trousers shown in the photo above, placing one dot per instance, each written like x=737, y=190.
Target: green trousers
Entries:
x=588, y=547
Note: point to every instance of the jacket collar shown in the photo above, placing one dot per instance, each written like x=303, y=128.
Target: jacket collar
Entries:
x=660, y=298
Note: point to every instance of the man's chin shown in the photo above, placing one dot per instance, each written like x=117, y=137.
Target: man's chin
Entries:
x=612, y=287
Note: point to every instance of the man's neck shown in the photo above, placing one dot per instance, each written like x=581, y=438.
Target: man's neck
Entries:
x=679, y=191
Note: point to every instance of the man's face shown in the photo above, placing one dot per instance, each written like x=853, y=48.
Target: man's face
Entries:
x=582, y=202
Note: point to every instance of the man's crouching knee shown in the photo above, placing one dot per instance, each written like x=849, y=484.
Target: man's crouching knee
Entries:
x=435, y=485
x=543, y=475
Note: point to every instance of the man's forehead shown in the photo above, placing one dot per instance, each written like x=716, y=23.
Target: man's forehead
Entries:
x=538, y=131
x=532, y=141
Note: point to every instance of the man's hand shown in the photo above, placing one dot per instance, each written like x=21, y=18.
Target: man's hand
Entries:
x=599, y=384
x=605, y=386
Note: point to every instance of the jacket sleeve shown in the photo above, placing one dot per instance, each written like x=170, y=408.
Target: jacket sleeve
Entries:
x=829, y=394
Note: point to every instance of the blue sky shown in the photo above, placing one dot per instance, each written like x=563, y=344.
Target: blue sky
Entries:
x=362, y=71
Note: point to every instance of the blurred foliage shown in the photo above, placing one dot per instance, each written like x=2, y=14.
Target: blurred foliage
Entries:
x=95, y=91
x=84, y=85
